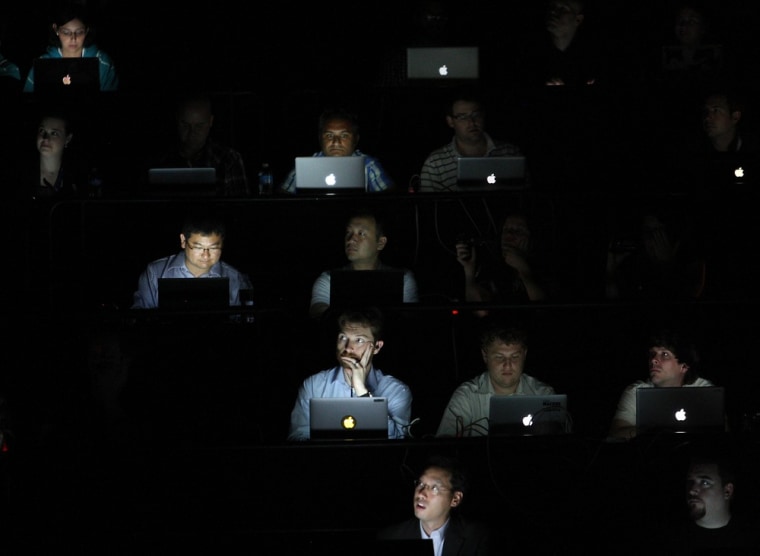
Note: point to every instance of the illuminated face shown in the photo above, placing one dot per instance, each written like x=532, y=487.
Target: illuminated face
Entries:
x=467, y=121
x=201, y=252
x=705, y=493
x=354, y=340
x=52, y=137
x=72, y=35
x=362, y=246
x=505, y=363
x=664, y=367
x=434, y=498
x=338, y=138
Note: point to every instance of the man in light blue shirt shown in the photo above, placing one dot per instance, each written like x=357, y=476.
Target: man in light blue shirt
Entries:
x=202, y=239
x=359, y=340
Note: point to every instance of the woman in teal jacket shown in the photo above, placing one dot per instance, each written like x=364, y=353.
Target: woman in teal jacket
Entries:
x=72, y=37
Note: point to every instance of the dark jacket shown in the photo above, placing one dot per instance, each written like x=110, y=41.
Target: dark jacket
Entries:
x=463, y=537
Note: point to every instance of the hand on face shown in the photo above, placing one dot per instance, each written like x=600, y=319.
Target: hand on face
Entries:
x=515, y=258
x=466, y=255
x=658, y=246
x=355, y=348
x=356, y=365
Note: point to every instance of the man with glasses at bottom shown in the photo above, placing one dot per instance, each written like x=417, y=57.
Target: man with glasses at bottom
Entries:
x=437, y=499
x=466, y=117
x=201, y=240
x=359, y=339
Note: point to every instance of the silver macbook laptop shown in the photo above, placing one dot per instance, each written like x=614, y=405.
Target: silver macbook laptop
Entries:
x=680, y=409
x=330, y=175
x=443, y=63
x=348, y=418
x=528, y=414
x=491, y=172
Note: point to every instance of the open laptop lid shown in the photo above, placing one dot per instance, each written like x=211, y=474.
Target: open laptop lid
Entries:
x=351, y=289
x=348, y=418
x=491, y=172
x=683, y=409
x=181, y=182
x=194, y=293
x=330, y=175
x=730, y=170
x=66, y=75
x=528, y=414
x=443, y=63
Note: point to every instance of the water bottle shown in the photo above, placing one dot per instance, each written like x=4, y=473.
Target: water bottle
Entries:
x=95, y=184
x=246, y=298
x=266, y=180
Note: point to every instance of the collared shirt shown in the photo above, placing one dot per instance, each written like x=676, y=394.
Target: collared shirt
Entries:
x=467, y=411
x=626, y=408
x=438, y=536
x=439, y=171
x=331, y=383
x=377, y=178
x=231, y=179
x=146, y=296
x=320, y=291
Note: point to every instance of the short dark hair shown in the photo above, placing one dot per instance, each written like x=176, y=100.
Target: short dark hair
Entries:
x=329, y=114
x=203, y=223
x=62, y=113
x=366, y=212
x=464, y=94
x=503, y=333
x=682, y=347
x=735, y=100
x=371, y=317
x=724, y=464
x=460, y=480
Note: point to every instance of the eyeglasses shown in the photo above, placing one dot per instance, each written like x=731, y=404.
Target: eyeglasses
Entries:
x=344, y=341
x=461, y=117
x=200, y=249
x=435, y=490
x=68, y=33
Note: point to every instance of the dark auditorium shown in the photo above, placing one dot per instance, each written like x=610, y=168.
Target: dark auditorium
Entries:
x=557, y=207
